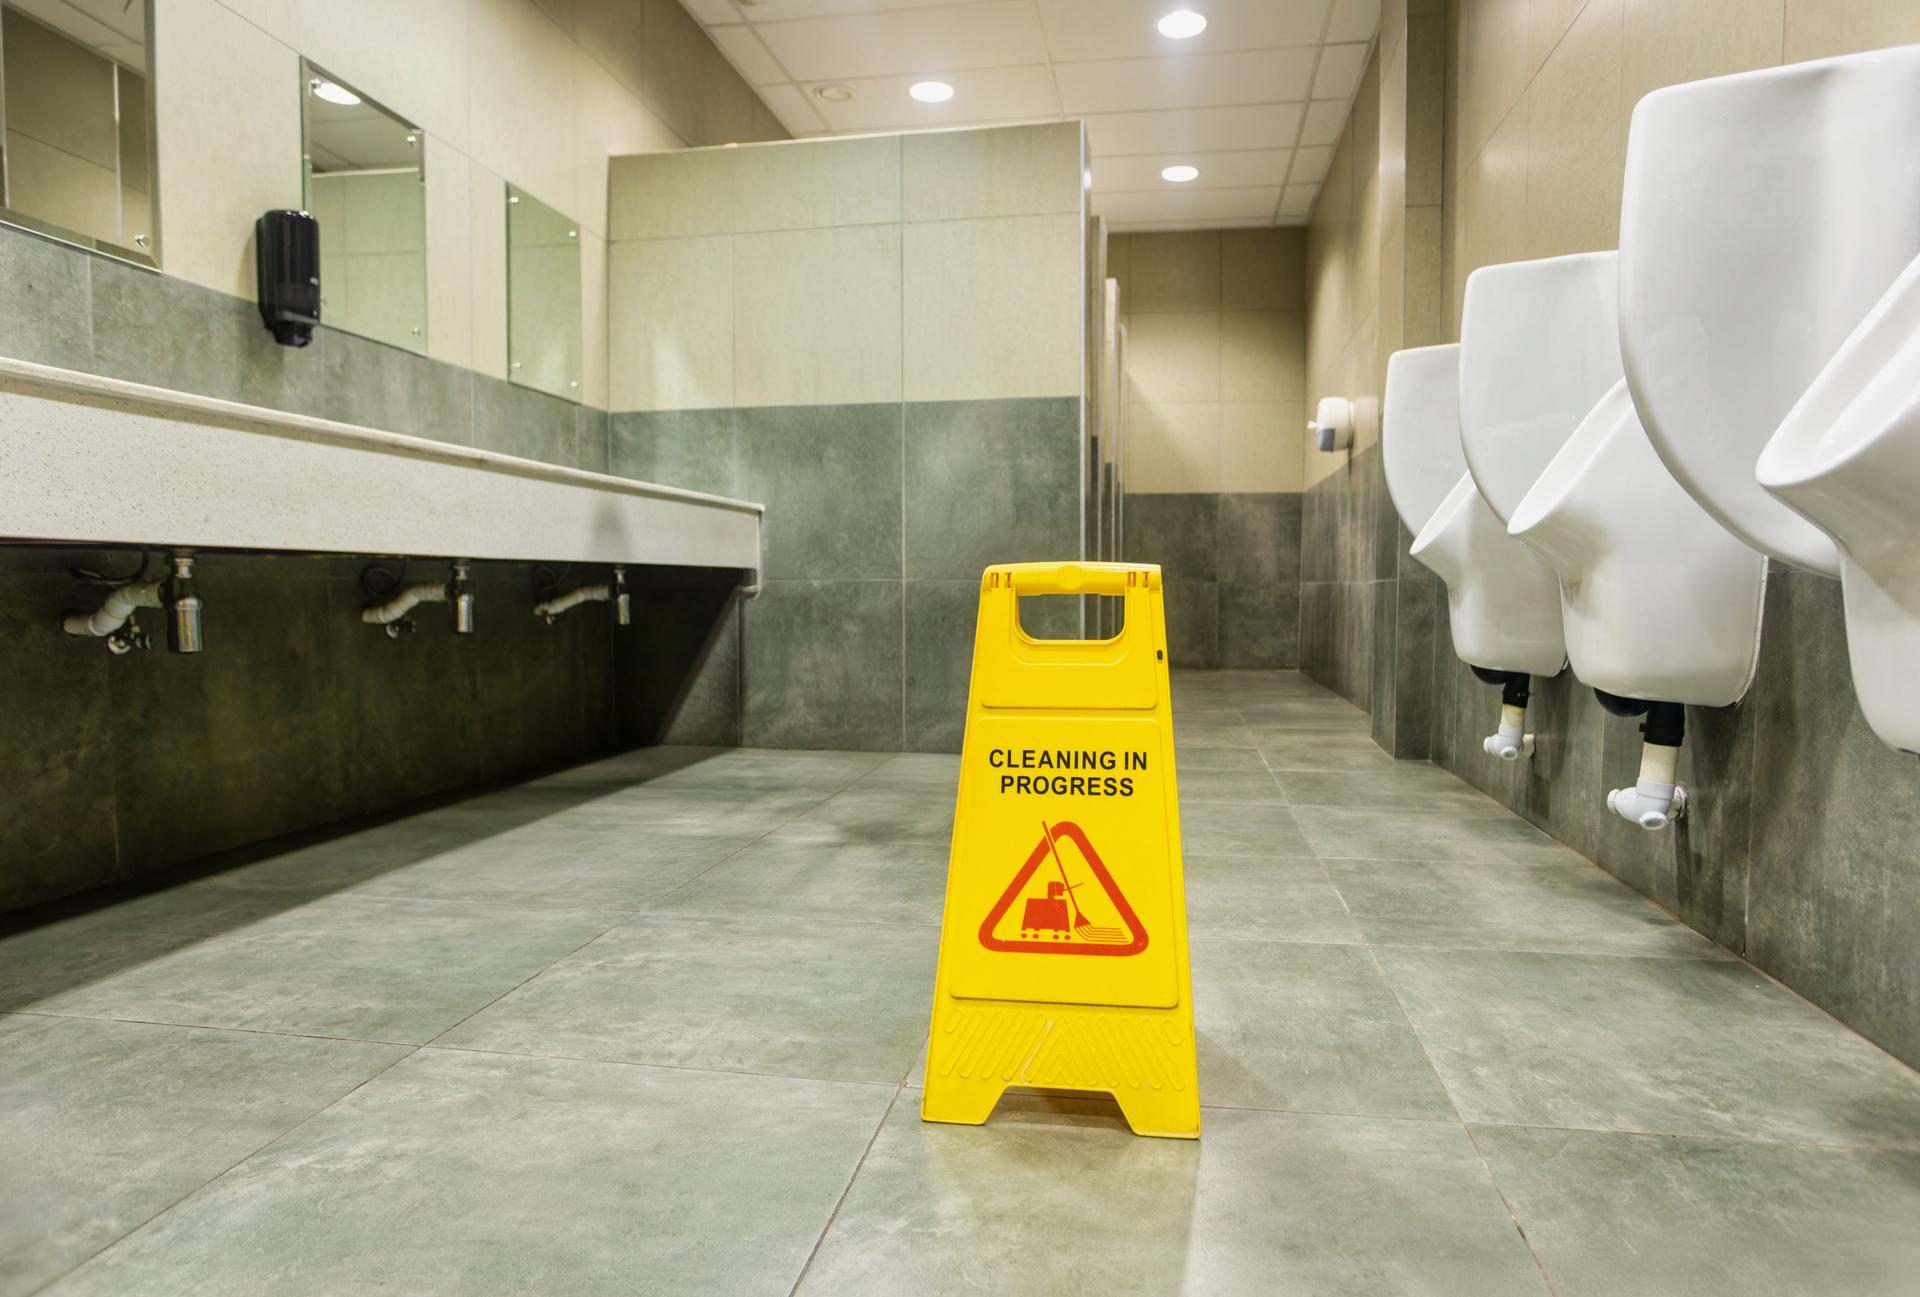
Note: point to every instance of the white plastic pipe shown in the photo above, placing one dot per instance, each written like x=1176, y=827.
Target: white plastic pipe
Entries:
x=559, y=604
x=1513, y=741
x=405, y=602
x=111, y=615
x=1657, y=799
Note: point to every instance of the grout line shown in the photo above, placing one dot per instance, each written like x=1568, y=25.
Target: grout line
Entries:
x=899, y=1089
x=226, y=1170
x=1478, y=1152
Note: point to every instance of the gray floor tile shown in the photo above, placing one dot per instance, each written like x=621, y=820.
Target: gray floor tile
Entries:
x=477, y=1174
x=1306, y=1028
x=1323, y=751
x=835, y=1001
x=1226, y=760
x=1264, y=898
x=537, y=865
x=91, y=946
x=1216, y=829
x=1315, y=713
x=1204, y=785
x=1668, y=1046
x=1613, y=1214
x=105, y=1124
x=1475, y=904
x=1054, y=1197
x=1468, y=833
x=1408, y=786
x=879, y=813
x=799, y=878
x=370, y=968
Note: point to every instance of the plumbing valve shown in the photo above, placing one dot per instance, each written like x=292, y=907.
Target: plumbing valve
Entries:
x=1512, y=741
x=622, y=601
x=1657, y=798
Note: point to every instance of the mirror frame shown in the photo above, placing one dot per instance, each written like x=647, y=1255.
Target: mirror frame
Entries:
x=147, y=258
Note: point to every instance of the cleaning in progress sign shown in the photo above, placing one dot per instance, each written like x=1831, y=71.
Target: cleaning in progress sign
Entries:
x=1063, y=950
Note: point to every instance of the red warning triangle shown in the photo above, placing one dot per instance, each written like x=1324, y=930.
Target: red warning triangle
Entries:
x=1054, y=922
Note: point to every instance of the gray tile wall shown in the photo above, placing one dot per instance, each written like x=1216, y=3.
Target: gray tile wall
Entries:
x=1231, y=571
x=297, y=714
x=880, y=518
x=1800, y=849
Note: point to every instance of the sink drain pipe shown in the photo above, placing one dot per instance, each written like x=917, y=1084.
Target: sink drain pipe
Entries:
x=1512, y=741
x=1658, y=798
x=178, y=594
x=456, y=590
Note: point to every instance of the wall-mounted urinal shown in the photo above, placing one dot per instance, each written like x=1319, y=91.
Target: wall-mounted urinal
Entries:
x=1764, y=216
x=1847, y=458
x=1503, y=602
x=1660, y=605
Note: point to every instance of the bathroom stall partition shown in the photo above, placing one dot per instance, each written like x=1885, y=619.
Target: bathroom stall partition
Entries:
x=884, y=339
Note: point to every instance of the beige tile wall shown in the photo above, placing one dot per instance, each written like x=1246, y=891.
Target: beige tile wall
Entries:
x=1215, y=383
x=539, y=94
x=927, y=267
x=1539, y=97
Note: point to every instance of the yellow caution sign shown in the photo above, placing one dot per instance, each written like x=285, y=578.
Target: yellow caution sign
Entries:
x=1063, y=952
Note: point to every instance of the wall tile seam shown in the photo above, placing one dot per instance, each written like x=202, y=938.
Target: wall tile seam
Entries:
x=831, y=225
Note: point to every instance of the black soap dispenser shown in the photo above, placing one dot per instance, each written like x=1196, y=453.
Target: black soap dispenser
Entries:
x=287, y=262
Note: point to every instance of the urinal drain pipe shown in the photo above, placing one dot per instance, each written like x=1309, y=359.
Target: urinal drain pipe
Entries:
x=1512, y=741
x=1657, y=799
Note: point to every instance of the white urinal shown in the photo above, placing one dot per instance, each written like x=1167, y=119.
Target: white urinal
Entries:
x=1660, y=602
x=1660, y=606
x=1502, y=601
x=1847, y=459
x=1762, y=217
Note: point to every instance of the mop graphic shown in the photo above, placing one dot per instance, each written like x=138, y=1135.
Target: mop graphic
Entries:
x=1054, y=921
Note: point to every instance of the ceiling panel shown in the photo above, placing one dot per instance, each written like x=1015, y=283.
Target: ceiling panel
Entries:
x=1310, y=165
x=1203, y=205
x=797, y=110
x=1245, y=169
x=996, y=34
x=1255, y=101
x=1340, y=69
x=981, y=96
x=1296, y=202
x=1212, y=129
x=1195, y=81
x=1114, y=29
x=1325, y=119
x=744, y=50
x=1354, y=20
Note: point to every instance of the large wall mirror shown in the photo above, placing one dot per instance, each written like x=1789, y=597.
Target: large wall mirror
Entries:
x=543, y=296
x=76, y=103
x=366, y=183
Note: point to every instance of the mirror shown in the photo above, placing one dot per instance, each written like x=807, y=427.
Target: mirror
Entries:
x=543, y=296
x=76, y=156
x=366, y=183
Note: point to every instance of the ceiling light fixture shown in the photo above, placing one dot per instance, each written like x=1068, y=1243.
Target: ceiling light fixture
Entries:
x=1180, y=174
x=834, y=94
x=1182, y=24
x=931, y=92
x=333, y=92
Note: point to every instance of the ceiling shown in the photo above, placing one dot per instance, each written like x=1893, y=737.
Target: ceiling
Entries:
x=1255, y=102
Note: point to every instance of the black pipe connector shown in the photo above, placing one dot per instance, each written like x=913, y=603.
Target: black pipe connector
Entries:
x=1666, y=723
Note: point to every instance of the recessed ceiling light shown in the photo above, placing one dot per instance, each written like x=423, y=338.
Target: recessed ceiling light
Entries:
x=931, y=92
x=1180, y=174
x=333, y=92
x=1182, y=23
x=834, y=94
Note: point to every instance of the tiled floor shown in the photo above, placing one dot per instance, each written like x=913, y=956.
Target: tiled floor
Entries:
x=655, y=1025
